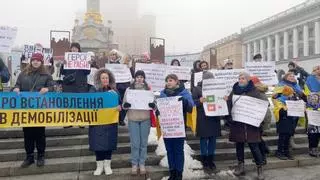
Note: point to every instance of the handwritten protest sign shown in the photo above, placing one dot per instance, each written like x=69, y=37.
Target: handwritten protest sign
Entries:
x=183, y=73
x=313, y=117
x=171, y=117
x=91, y=76
x=30, y=109
x=264, y=71
x=121, y=72
x=7, y=38
x=155, y=74
x=47, y=55
x=27, y=52
x=230, y=76
x=249, y=110
x=139, y=99
x=77, y=60
x=296, y=108
x=214, y=91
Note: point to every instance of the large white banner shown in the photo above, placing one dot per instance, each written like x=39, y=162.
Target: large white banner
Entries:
x=313, y=117
x=296, y=108
x=7, y=38
x=155, y=75
x=121, y=72
x=77, y=60
x=171, y=117
x=265, y=71
x=214, y=91
x=183, y=73
x=249, y=110
x=139, y=99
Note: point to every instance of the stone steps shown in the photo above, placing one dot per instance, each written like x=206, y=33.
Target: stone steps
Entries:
x=223, y=145
x=156, y=172
x=85, y=163
x=68, y=156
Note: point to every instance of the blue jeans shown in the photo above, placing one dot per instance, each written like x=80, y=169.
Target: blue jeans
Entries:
x=175, y=153
x=139, y=133
x=208, y=146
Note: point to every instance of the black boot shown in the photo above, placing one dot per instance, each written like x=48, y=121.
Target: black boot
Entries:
x=260, y=173
x=40, y=160
x=239, y=171
x=28, y=161
x=179, y=175
x=204, y=161
x=122, y=123
x=211, y=164
x=173, y=175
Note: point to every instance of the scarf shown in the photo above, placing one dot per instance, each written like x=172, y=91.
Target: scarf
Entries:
x=238, y=90
x=294, y=85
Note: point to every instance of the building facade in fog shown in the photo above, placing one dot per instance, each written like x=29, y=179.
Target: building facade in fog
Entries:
x=290, y=35
x=131, y=31
x=223, y=49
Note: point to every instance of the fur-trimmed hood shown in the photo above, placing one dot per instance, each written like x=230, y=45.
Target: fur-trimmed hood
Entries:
x=97, y=81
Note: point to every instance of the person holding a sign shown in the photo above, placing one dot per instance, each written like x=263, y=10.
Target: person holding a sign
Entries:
x=34, y=79
x=4, y=74
x=208, y=128
x=74, y=81
x=103, y=138
x=139, y=124
x=196, y=69
x=312, y=90
x=121, y=87
x=175, y=146
x=242, y=133
x=287, y=90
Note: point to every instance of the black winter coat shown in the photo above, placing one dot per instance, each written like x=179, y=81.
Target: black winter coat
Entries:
x=206, y=126
x=241, y=132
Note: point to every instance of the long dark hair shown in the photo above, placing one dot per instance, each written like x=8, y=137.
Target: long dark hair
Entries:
x=30, y=69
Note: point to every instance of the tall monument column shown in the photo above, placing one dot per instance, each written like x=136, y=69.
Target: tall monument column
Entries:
x=93, y=6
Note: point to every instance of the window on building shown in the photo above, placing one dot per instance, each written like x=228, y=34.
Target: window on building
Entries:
x=290, y=55
x=300, y=50
x=290, y=38
x=281, y=40
x=311, y=32
x=281, y=54
x=273, y=55
x=300, y=35
x=311, y=47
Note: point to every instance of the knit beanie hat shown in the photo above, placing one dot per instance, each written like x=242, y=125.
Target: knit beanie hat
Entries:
x=37, y=56
x=140, y=73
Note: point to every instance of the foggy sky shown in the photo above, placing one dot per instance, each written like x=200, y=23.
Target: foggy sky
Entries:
x=187, y=25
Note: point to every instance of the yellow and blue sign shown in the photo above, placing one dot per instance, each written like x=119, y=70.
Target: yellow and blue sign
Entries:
x=31, y=109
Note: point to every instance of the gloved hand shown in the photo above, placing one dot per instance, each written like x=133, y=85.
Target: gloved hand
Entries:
x=126, y=105
x=152, y=105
